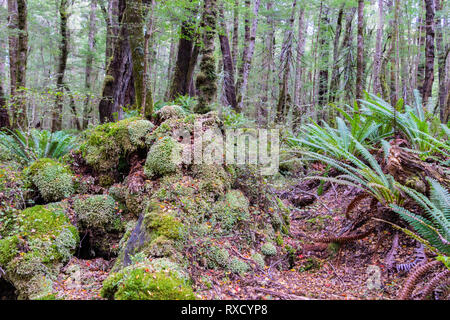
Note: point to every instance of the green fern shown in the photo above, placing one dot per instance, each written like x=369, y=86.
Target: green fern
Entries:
x=435, y=226
x=27, y=147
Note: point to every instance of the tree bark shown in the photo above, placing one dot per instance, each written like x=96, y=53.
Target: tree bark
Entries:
x=4, y=116
x=429, y=51
x=228, y=66
x=286, y=60
x=206, y=81
x=118, y=85
x=324, y=52
x=62, y=63
x=18, y=54
x=247, y=57
x=377, y=57
x=297, y=112
x=186, y=59
x=235, y=40
x=335, y=75
x=360, y=51
x=89, y=63
x=134, y=23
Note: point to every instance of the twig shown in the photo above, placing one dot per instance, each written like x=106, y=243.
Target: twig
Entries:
x=317, y=198
x=335, y=273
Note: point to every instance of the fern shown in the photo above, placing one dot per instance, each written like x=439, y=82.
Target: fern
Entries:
x=435, y=227
x=27, y=147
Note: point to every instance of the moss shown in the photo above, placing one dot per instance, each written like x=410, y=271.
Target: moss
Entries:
x=98, y=212
x=238, y=266
x=138, y=130
x=107, y=144
x=163, y=224
x=231, y=209
x=268, y=249
x=213, y=179
x=259, y=259
x=8, y=249
x=169, y=112
x=163, y=158
x=53, y=180
x=218, y=257
x=159, y=279
x=33, y=257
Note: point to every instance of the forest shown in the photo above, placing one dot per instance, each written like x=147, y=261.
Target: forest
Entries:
x=224, y=150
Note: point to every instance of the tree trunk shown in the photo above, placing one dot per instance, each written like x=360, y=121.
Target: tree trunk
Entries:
x=118, y=85
x=324, y=49
x=134, y=23
x=347, y=43
x=429, y=51
x=360, y=51
x=335, y=75
x=18, y=52
x=377, y=57
x=62, y=63
x=89, y=62
x=148, y=94
x=263, y=107
x=206, y=81
x=186, y=59
x=441, y=51
x=228, y=66
x=247, y=57
x=286, y=60
x=4, y=116
x=297, y=111
x=235, y=40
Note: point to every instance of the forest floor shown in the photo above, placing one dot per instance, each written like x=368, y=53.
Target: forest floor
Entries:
x=316, y=272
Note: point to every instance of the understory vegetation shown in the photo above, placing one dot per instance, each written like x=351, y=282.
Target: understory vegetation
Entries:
x=224, y=149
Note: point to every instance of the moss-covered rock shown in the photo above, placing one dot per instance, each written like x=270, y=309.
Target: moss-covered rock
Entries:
x=99, y=212
x=106, y=146
x=169, y=112
x=99, y=216
x=163, y=158
x=213, y=179
x=53, y=180
x=32, y=258
x=160, y=279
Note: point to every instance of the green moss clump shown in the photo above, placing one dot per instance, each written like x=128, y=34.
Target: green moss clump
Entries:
x=268, y=249
x=259, y=259
x=218, y=257
x=163, y=158
x=163, y=224
x=169, y=112
x=231, y=209
x=106, y=145
x=159, y=279
x=138, y=130
x=32, y=258
x=213, y=179
x=53, y=180
x=238, y=266
x=98, y=212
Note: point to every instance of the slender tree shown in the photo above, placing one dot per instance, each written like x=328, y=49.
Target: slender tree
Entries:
x=206, y=81
x=360, y=52
x=429, y=51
